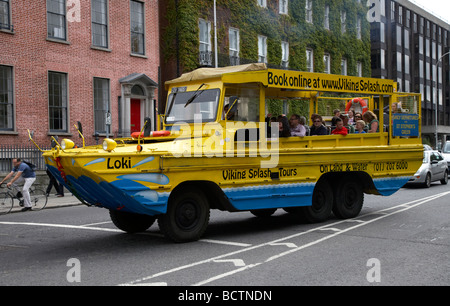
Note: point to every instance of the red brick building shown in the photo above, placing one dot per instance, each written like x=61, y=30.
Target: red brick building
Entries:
x=63, y=61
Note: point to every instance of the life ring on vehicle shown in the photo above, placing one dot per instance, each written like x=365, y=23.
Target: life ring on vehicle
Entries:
x=360, y=103
x=152, y=134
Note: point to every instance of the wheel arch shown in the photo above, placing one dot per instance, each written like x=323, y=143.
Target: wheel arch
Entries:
x=213, y=193
x=363, y=177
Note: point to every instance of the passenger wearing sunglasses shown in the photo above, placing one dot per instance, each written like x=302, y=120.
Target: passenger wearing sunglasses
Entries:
x=318, y=128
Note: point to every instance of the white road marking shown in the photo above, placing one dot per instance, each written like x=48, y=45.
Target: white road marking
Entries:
x=236, y=262
x=98, y=223
x=64, y=226
x=384, y=214
x=225, y=242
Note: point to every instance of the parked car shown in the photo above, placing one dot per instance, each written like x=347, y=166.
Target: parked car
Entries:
x=446, y=153
x=434, y=168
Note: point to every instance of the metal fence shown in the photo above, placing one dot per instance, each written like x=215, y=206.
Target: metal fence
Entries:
x=25, y=152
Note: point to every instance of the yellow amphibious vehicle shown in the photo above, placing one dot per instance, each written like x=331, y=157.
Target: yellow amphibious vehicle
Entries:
x=216, y=151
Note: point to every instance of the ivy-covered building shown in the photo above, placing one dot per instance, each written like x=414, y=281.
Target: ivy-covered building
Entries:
x=330, y=36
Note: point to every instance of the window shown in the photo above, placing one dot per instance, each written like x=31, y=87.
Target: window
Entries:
x=343, y=22
x=234, y=46
x=137, y=28
x=309, y=60
x=358, y=28
x=262, y=3
x=5, y=22
x=100, y=23
x=205, y=42
x=56, y=19
x=284, y=54
x=57, y=100
x=344, y=66
x=327, y=63
x=6, y=99
x=101, y=104
x=309, y=11
x=359, y=69
x=326, y=19
x=283, y=7
x=262, y=49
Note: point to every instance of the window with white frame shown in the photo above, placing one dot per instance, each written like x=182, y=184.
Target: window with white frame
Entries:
x=284, y=54
x=358, y=28
x=327, y=63
x=205, y=42
x=309, y=60
x=326, y=19
x=262, y=49
x=284, y=6
x=359, y=71
x=309, y=11
x=343, y=66
x=234, y=46
x=262, y=3
x=343, y=22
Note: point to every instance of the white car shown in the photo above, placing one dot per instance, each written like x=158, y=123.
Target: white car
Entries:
x=446, y=153
x=434, y=168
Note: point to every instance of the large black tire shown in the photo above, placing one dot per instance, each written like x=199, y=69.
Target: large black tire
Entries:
x=131, y=223
x=348, y=199
x=187, y=216
x=427, y=183
x=322, y=203
x=444, y=180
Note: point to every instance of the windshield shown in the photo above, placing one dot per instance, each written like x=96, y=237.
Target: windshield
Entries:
x=202, y=102
x=446, y=148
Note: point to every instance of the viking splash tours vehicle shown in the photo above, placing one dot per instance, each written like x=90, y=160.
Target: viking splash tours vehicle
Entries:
x=215, y=151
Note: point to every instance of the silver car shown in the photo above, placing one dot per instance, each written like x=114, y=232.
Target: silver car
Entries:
x=434, y=168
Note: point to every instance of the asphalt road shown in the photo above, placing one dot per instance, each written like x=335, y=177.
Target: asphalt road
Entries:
x=399, y=240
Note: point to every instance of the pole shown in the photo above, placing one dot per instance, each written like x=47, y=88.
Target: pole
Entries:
x=215, y=35
x=437, y=100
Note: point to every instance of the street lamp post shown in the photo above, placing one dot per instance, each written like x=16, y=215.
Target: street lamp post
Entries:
x=437, y=102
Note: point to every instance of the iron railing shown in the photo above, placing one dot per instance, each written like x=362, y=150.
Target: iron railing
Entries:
x=25, y=152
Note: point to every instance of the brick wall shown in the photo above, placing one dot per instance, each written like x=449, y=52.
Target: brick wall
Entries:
x=32, y=56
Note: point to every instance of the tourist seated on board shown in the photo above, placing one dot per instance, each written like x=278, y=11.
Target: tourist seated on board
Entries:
x=318, y=128
x=340, y=128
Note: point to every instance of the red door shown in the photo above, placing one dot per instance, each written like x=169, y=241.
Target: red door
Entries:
x=135, y=109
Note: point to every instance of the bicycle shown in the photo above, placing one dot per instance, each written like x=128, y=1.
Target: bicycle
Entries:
x=38, y=200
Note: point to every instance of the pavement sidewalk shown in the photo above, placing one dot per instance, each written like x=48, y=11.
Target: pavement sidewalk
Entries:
x=53, y=202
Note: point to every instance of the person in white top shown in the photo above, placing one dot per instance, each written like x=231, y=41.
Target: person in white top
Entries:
x=297, y=129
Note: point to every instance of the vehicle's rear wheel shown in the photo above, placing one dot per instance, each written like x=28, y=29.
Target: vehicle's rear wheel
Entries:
x=427, y=183
x=187, y=216
x=348, y=199
x=444, y=180
x=131, y=223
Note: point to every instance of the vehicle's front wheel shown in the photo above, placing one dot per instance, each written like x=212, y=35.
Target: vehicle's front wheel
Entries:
x=187, y=216
x=131, y=223
x=427, y=183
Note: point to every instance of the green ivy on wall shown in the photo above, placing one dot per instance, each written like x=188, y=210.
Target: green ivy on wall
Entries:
x=252, y=20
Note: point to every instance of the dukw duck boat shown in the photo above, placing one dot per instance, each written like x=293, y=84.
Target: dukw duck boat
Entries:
x=216, y=151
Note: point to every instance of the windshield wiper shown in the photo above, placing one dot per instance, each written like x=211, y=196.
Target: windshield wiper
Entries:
x=194, y=96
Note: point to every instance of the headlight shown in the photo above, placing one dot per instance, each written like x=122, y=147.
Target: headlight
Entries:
x=109, y=144
x=67, y=144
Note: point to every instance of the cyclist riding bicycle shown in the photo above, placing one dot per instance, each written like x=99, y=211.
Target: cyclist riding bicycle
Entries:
x=22, y=175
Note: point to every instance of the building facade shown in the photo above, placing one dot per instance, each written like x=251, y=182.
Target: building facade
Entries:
x=329, y=36
x=68, y=61
x=411, y=46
